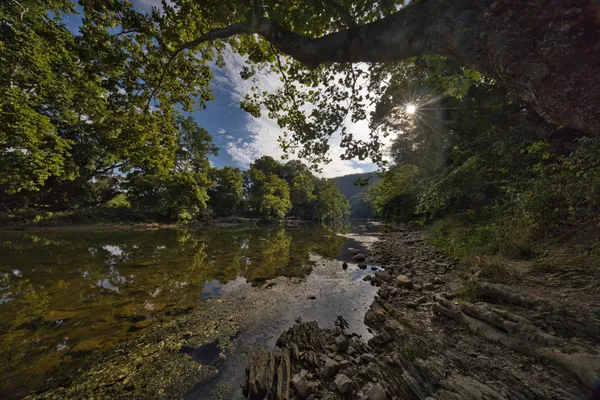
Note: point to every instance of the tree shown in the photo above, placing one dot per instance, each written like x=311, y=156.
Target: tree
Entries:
x=548, y=55
x=227, y=193
x=75, y=108
x=330, y=203
x=269, y=195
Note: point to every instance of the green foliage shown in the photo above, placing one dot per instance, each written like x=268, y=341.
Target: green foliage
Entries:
x=119, y=201
x=330, y=203
x=227, y=194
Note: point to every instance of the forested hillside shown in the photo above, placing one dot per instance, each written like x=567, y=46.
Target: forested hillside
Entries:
x=354, y=187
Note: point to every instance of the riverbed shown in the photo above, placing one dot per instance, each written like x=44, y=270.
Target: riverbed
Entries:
x=78, y=308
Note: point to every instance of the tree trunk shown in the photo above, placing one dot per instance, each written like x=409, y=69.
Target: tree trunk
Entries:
x=547, y=51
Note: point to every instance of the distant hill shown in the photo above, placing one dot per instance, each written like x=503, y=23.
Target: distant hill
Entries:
x=355, y=194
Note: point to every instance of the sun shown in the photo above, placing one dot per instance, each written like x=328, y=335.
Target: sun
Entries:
x=411, y=108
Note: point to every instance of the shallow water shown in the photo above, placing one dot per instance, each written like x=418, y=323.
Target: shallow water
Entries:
x=65, y=295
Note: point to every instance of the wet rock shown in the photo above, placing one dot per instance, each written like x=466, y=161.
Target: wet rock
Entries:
x=343, y=384
x=362, y=266
x=312, y=297
x=353, y=250
x=330, y=368
x=342, y=342
x=367, y=278
x=403, y=281
x=141, y=325
x=359, y=257
x=376, y=392
x=56, y=315
x=301, y=385
x=345, y=265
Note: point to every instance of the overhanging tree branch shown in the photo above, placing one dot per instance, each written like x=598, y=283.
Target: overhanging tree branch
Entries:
x=561, y=85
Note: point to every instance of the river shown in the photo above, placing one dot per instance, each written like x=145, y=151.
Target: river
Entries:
x=73, y=299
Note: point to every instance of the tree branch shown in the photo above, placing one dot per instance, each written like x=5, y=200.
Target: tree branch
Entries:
x=343, y=13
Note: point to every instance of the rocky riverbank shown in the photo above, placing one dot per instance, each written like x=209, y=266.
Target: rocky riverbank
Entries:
x=442, y=332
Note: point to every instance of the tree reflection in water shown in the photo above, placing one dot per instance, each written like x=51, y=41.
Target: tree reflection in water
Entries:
x=67, y=294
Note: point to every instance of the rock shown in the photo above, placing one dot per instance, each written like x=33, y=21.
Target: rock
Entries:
x=428, y=286
x=312, y=297
x=368, y=357
x=342, y=342
x=352, y=250
x=56, y=315
x=339, y=358
x=376, y=392
x=330, y=368
x=362, y=266
x=345, y=265
x=403, y=281
x=302, y=385
x=343, y=384
x=438, y=281
x=344, y=364
x=421, y=300
x=359, y=257
x=384, y=276
x=367, y=278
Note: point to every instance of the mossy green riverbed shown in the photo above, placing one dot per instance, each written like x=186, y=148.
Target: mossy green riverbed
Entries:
x=163, y=313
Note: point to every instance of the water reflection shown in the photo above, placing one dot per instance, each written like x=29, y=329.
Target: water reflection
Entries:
x=64, y=295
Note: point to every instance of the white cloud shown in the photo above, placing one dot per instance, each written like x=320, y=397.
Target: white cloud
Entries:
x=221, y=131
x=264, y=132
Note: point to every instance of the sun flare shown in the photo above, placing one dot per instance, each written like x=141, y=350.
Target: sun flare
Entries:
x=411, y=109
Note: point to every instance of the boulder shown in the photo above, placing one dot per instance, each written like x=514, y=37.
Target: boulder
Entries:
x=362, y=266
x=345, y=265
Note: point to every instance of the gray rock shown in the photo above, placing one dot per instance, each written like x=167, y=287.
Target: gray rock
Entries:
x=359, y=257
x=376, y=392
x=330, y=368
x=343, y=384
x=342, y=342
x=344, y=364
x=302, y=385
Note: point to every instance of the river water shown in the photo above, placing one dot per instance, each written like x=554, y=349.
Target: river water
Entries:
x=69, y=295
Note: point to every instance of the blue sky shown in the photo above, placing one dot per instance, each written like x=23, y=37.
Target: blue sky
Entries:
x=240, y=137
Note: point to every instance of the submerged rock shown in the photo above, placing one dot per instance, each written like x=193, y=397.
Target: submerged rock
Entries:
x=57, y=315
x=359, y=257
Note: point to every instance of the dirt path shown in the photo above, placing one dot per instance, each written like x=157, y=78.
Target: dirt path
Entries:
x=439, y=334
